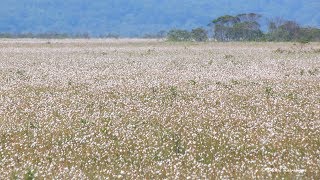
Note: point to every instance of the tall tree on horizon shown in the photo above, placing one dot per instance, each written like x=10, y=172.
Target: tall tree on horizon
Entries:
x=239, y=27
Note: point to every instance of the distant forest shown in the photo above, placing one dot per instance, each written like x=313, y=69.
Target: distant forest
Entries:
x=241, y=27
x=246, y=27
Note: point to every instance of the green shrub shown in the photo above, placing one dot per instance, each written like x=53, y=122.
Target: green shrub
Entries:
x=179, y=35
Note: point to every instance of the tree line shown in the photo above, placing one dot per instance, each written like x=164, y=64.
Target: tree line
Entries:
x=246, y=27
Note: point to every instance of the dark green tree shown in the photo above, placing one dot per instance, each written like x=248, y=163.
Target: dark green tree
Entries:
x=199, y=35
x=281, y=30
x=309, y=34
x=179, y=35
x=223, y=25
x=243, y=27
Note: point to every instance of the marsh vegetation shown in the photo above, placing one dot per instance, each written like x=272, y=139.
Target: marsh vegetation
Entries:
x=146, y=109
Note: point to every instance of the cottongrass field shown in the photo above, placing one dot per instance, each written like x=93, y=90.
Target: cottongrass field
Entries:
x=145, y=109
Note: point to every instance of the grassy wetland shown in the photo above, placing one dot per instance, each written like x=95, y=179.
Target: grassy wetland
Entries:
x=143, y=109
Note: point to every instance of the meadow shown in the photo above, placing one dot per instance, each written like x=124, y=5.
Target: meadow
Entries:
x=147, y=109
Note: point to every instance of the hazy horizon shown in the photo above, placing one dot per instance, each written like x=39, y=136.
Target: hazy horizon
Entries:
x=135, y=18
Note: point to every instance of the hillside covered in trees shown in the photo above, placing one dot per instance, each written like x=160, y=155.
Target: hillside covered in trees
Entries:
x=139, y=17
